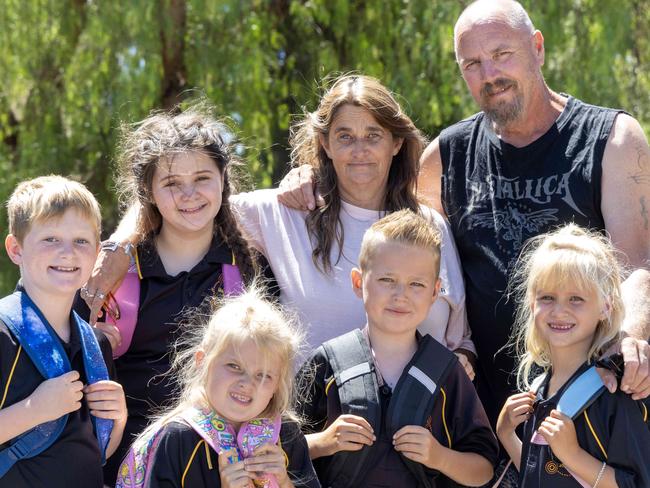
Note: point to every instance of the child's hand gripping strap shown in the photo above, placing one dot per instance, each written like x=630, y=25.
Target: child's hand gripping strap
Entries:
x=416, y=393
x=29, y=326
x=255, y=433
x=575, y=399
x=24, y=321
x=572, y=403
x=221, y=436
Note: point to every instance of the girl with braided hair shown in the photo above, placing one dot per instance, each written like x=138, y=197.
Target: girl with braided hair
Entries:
x=176, y=175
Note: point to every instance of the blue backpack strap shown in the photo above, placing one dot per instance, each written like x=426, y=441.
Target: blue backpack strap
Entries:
x=26, y=322
x=350, y=357
x=416, y=392
x=581, y=393
x=28, y=325
x=95, y=368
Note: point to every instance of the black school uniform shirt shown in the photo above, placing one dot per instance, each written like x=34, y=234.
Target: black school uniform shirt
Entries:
x=74, y=459
x=164, y=302
x=620, y=425
x=183, y=459
x=467, y=424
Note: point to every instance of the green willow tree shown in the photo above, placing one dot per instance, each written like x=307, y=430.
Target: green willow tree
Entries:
x=72, y=70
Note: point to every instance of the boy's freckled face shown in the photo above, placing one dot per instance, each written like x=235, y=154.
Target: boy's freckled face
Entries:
x=57, y=255
x=398, y=287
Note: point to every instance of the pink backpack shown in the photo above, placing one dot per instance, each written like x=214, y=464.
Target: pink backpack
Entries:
x=218, y=434
x=127, y=298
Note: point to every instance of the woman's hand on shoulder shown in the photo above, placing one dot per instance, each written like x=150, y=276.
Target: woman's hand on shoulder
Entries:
x=516, y=410
x=347, y=433
x=466, y=361
x=109, y=271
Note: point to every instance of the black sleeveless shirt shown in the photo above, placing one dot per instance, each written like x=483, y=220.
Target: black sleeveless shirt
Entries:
x=496, y=196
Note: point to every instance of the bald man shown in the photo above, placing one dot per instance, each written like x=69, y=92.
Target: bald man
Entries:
x=531, y=160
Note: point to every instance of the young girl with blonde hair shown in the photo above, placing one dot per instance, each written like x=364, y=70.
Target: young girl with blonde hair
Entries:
x=570, y=313
x=231, y=425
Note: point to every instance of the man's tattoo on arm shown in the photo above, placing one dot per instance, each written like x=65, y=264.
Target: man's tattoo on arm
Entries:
x=642, y=175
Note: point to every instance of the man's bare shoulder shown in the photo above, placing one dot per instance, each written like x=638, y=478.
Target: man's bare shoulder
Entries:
x=429, y=184
x=625, y=200
x=431, y=154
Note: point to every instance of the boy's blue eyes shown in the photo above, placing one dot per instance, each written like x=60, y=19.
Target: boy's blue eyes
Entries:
x=57, y=239
x=391, y=280
x=76, y=241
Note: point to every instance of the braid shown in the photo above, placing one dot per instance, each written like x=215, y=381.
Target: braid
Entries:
x=227, y=228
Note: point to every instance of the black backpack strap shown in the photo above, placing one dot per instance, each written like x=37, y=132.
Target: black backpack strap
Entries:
x=350, y=357
x=416, y=392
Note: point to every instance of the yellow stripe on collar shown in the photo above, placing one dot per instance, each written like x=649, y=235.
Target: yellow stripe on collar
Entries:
x=11, y=373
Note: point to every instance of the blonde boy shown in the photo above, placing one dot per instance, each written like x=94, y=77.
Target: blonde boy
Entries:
x=389, y=407
x=48, y=355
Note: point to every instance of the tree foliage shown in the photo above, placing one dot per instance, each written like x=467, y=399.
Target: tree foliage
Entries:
x=72, y=70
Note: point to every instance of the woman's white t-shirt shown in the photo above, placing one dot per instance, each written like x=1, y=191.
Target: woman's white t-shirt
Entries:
x=325, y=303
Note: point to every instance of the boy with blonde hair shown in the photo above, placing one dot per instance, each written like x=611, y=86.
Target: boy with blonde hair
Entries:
x=60, y=415
x=385, y=405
